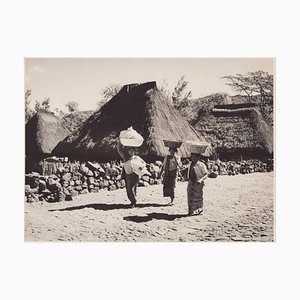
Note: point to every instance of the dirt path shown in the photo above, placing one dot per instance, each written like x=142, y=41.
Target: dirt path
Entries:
x=236, y=208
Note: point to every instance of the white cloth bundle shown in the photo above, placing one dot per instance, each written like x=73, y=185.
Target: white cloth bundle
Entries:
x=131, y=138
x=136, y=165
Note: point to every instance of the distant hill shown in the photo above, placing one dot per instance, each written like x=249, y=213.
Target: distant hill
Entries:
x=75, y=119
x=192, y=110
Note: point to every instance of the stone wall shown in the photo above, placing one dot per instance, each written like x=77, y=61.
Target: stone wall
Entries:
x=72, y=179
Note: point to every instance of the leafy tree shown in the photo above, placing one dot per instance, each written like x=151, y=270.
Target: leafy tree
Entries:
x=28, y=111
x=257, y=87
x=180, y=96
x=37, y=106
x=72, y=106
x=107, y=93
x=46, y=104
x=59, y=113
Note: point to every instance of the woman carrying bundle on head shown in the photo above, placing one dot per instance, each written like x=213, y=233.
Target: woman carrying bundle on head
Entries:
x=170, y=169
x=134, y=166
x=197, y=173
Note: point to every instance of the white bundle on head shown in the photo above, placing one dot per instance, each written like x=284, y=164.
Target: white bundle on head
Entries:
x=131, y=138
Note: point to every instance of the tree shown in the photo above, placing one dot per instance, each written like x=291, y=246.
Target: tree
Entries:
x=72, y=106
x=46, y=104
x=37, y=106
x=28, y=111
x=257, y=87
x=107, y=93
x=59, y=113
x=180, y=96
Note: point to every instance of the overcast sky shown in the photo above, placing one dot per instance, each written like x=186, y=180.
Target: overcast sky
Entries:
x=82, y=79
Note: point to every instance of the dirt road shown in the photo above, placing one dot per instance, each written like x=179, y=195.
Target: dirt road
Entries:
x=236, y=208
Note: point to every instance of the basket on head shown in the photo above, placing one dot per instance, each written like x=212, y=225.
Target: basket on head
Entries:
x=172, y=144
x=199, y=148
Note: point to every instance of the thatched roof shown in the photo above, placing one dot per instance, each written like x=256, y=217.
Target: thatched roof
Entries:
x=73, y=120
x=145, y=109
x=193, y=110
x=42, y=133
x=237, y=129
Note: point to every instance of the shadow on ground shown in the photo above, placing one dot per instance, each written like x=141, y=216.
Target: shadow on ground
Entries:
x=154, y=216
x=104, y=206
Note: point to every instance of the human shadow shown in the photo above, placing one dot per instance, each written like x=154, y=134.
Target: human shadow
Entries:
x=105, y=206
x=154, y=216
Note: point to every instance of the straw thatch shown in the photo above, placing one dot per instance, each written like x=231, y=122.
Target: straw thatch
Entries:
x=237, y=130
x=145, y=109
x=75, y=119
x=192, y=110
x=42, y=132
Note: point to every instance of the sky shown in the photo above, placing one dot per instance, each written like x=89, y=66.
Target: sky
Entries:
x=82, y=79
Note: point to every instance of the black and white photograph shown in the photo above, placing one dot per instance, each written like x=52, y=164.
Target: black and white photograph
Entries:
x=149, y=149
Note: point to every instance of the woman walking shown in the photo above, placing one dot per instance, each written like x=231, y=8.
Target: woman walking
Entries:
x=132, y=168
x=170, y=168
x=197, y=173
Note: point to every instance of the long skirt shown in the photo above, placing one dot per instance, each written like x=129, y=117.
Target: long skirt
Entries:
x=195, y=197
x=169, y=184
x=131, y=181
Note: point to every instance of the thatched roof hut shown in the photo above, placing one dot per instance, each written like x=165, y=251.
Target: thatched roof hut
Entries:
x=141, y=106
x=236, y=130
x=42, y=133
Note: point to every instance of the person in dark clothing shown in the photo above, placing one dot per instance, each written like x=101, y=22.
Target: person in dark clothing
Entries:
x=170, y=168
